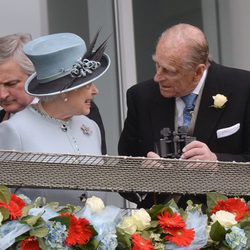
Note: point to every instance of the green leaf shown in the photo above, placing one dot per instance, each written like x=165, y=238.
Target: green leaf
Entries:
x=26, y=209
x=224, y=246
x=22, y=237
x=154, y=224
x=91, y=245
x=39, y=232
x=217, y=232
x=213, y=198
x=68, y=209
x=53, y=205
x=123, y=239
x=146, y=235
x=4, y=194
x=245, y=222
x=5, y=213
x=42, y=244
x=39, y=202
x=30, y=220
x=158, y=209
x=65, y=220
x=247, y=233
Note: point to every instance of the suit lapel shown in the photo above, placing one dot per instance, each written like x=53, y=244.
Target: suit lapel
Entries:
x=2, y=113
x=208, y=117
x=162, y=113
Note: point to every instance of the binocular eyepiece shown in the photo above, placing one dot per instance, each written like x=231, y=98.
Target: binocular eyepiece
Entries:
x=172, y=143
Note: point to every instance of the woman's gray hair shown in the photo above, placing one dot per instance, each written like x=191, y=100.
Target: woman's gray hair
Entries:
x=11, y=47
x=47, y=98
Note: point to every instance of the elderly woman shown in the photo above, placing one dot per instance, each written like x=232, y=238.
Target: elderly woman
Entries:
x=63, y=83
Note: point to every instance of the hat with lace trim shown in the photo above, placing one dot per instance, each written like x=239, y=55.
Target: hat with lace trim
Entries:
x=63, y=63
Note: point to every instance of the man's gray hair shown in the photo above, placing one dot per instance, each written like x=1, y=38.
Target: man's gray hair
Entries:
x=191, y=38
x=11, y=47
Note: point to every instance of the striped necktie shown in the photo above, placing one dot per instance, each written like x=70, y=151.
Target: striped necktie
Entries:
x=189, y=101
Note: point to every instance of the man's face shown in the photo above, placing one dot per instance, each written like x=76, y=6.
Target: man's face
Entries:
x=173, y=79
x=12, y=95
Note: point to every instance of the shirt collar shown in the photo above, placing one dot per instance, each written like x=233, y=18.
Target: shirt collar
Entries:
x=201, y=82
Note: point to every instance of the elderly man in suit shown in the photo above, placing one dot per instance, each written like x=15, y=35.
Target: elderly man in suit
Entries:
x=220, y=119
x=15, y=68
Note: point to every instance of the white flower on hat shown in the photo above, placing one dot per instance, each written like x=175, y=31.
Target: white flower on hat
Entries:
x=219, y=101
x=95, y=204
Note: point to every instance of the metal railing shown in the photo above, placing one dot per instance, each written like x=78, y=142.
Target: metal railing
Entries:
x=117, y=173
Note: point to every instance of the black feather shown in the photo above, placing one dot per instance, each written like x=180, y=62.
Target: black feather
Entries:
x=97, y=55
x=91, y=46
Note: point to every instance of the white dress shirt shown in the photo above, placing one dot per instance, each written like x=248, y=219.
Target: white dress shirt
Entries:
x=180, y=105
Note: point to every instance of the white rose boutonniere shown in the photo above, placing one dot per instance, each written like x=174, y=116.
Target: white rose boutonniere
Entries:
x=219, y=101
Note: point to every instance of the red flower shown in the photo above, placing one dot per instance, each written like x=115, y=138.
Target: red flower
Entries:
x=140, y=243
x=30, y=243
x=167, y=220
x=180, y=236
x=14, y=206
x=79, y=231
x=233, y=205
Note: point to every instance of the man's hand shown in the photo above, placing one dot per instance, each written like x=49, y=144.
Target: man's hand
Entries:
x=152, y=154
x=197, y=150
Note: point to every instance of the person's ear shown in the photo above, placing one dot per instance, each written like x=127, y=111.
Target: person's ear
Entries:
x=64, y=97
x=199, y=72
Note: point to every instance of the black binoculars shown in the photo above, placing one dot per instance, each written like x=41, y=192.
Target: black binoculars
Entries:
x=172, y=143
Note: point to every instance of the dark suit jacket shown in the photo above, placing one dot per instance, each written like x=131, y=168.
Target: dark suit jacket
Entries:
x=149, y=112
x=94, y=115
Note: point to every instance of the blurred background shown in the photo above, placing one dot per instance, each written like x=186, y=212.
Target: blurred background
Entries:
x=134, y=27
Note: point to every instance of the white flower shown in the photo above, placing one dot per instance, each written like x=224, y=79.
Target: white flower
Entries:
x=95, y=204
x=142, y=219
x=138, y=221
x=1, y=218
x=128, y=225
x=226, y=219
x=219, y=101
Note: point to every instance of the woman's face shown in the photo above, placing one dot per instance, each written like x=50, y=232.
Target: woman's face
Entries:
x=80, y=100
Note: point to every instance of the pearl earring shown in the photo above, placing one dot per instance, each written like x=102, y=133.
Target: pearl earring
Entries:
x=65, y=99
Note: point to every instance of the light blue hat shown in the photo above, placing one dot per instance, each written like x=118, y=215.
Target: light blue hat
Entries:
x=62, y=63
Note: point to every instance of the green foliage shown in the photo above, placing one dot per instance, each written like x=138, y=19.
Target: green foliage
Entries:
x=217, y=232
x=213, y=198
x=30, y=220
x=92, y=245
x=4, y=194
x=65, y=220
x=5, y=213
x=39, y=232
x=123, y=240
x=68, y=209
x=158, y=209
x=42, y=244
x=4, y=197
x=245, y=225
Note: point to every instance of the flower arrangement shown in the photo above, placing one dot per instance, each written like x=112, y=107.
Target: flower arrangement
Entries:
x=219, y=101
x=34, y=225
